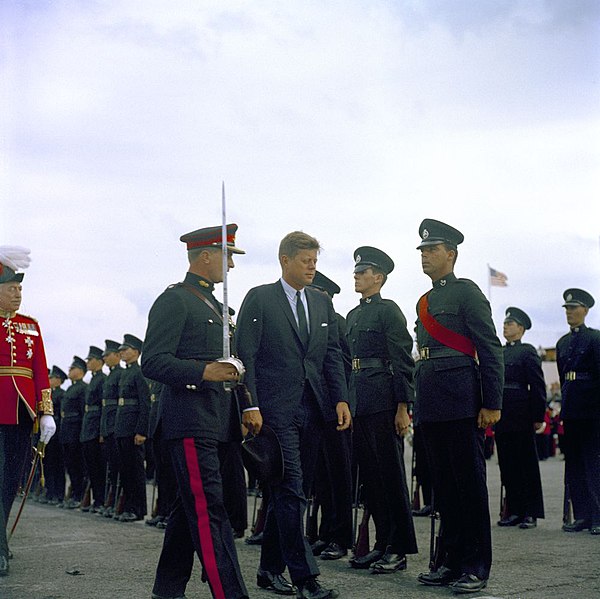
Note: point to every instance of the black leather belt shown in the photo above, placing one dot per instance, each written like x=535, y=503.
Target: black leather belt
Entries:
x=360, y=363
x=515, y=385
x=91, y=408
x=573, y=375
x=430, y=353
x=128, y=402
x=64, y=414
x=110, y=402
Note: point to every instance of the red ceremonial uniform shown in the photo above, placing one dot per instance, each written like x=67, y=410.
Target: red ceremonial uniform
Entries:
x=23, y=369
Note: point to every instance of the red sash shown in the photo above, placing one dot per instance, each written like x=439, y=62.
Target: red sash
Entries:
x=441, y=333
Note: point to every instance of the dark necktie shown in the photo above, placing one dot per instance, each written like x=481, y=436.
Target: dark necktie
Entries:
x=302, y=324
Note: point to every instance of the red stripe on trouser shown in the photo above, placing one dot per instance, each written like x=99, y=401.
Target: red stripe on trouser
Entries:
x=203, y=521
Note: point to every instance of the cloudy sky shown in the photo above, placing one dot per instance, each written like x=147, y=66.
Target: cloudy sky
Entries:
x=351, y=120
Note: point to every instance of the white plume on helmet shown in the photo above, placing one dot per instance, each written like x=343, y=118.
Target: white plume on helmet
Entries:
x=15, y=256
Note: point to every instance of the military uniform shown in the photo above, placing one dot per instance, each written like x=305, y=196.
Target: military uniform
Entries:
x=578, y=361
x=54, y=464
x=451, y=388
x=90, y=433
x=198, y=421
x=71, y=415
x=131, y=419
x=381, y=379
x=523, y=404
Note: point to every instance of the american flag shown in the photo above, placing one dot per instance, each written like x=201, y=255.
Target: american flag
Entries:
x=497, y=278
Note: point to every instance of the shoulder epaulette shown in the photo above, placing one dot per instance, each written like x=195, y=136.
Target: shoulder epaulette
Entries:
x=27, y=316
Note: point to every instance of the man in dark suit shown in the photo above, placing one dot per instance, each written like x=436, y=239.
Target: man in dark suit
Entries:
x=523, y=411
x=288, y=341
x=199, y=419
x=578, y=361
x=458, y=381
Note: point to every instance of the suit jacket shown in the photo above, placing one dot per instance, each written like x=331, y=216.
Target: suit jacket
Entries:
x=524, y=398
x=183, y=334
x=132, y=418
x=579, y=352
x=278, y=366
x=457, y=387
x=90, y=427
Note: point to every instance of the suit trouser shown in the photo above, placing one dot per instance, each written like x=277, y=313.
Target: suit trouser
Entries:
x=14, y=451
x=199, y=522
x=333, y=486
x=54, y=470
x=166, y=482
x=421, y=472
x=455, y=455
x=520, y=473
x=284, y=542
x=75, y=468
x=581, y=444
x=380, y=456
x=133, y=475
x=96, y=468
x=234, y=487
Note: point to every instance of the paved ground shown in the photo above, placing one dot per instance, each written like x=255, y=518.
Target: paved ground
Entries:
x=118, y=560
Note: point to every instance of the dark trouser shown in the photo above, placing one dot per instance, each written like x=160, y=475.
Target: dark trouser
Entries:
x=455, y=454
x=75, y=468
x=54, y=470
x=422, y=473
x=520, y=473
x=133, y=475
x=234, y=487
x=380, y=455
x=581, y=445
x=333, y=486
x=284, y=542
x=14, y=451
x=165, y=478
x=199, y=522
x=96, y=468
x=111, y=456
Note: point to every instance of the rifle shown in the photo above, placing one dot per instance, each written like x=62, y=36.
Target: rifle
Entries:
x=362, y=545
x=312, y=517
x=567, y=506
x=86, y=500
x=415, y=487
x=436, y=541
x=504, y=513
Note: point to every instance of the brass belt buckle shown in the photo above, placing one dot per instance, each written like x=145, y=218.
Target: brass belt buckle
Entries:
x=355, y=364
x=571, y=375
x=424, y=353
x=121, y=401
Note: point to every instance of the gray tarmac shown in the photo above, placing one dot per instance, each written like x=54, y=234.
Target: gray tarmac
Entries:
x=109, y=560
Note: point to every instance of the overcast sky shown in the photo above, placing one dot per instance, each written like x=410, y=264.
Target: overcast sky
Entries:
x=349, y=120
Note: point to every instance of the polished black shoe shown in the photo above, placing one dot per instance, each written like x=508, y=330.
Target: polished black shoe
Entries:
x=256, y=539
x=3, y=565
x=162, y=525
x=364, y=562
x=512, y=520
x=389, y=563
x=442, y=577
x=129, y=517
x=468, y=583
x=274, y=582
x=333, y=551
x=238, y=534
x=311, y=589
x=595, y=529
x=155, y=596
x=576, y=526
x=72, y=504
x=318, y=547
x=153, y=521
x=528, y=522
x=424, y=511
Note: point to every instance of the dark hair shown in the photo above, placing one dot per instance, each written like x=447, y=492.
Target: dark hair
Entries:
x=453, y=248
x=295, y=242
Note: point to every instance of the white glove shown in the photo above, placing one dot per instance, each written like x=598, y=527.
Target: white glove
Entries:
x=47, y=428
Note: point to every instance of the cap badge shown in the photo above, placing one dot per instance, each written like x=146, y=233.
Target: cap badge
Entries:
x=508, y=315
x=358, y=259
x=425, y=233
x=569, y=297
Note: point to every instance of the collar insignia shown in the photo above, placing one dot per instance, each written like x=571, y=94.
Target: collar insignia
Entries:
x=443, y=282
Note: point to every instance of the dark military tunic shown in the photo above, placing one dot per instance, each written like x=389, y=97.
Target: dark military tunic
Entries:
x=523, y=403
x=451, y=388
x=198, y=421
x=90, y=437
x=381, y=347
x=110, y=399
x=54, y=465
x=578, y=360
x=71, y=413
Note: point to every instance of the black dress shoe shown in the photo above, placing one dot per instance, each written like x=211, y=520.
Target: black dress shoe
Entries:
x=129, y=517
x=318, y=547
x=3, y=565
x=528, y=522
x=153, y=521
x=389, y=563
x=274, y=582
x=595, y=530
x=333, y=551
x=441, y=577
x=256, y=539
x=424, y=511
x=364, y=562
x=468, y=583
x=311, y=589
x=576, y=526
x=511, y=520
